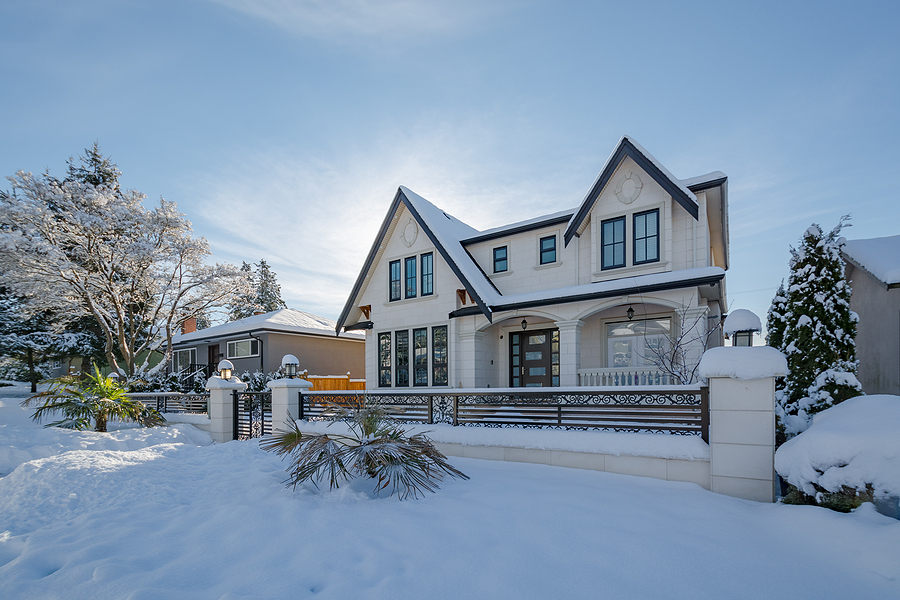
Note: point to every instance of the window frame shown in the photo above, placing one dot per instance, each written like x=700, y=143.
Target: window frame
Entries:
x=427, y=283
x=613, y=244
x=190, y=351
x=384, y=367
x=419, y=366
x=646, y=237
x=229, y=354
x=541, y=250
x=438, y=364
x=505, y=259
x=409, y=277
x=393, y=297
x=401, y=367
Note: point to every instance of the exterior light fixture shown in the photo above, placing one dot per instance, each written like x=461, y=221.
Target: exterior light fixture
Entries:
x=742, y=338
x=524, y=324
x=225, y=368
x=290, y=363
x=630, y=313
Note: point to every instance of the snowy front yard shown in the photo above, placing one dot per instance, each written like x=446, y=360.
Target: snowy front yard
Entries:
x=163, y=514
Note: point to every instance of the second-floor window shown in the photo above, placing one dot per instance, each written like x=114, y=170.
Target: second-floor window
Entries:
x=410, y=277
x=395, y=280
x=500, y=262
x=548, y=250
x=612, y=234
x=646, y=237
x=427, y=274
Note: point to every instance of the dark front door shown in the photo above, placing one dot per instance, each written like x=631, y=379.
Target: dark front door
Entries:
x=534, y=358
x=213, y=358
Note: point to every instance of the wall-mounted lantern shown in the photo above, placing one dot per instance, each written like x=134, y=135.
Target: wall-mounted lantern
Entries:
x=630, y=313
x=524, y=324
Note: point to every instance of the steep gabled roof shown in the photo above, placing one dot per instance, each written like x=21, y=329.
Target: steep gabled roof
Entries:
x=628, y=147
x=445, y=232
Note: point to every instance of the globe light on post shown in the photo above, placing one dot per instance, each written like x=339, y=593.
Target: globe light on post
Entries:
x=291, y=364
x=225, y=368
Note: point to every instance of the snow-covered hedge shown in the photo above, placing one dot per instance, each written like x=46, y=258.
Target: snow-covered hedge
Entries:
x=852, y=445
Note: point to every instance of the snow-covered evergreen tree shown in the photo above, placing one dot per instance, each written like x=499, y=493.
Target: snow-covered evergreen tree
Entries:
x=775, y=320
x=265, y=296
x=819, y=330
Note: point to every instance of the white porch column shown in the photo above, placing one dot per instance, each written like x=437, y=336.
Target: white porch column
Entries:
x=221, y=407
x=286, y=400
x=569, y=351
x=468, y=356
x=693, y=329
x=742, y=419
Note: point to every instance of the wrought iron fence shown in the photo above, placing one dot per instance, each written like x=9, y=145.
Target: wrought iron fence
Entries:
x=174, y=402
x=674, y=410
x=193, y=373
x=252, y=414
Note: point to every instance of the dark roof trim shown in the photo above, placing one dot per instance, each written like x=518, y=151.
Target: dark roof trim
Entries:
x=626, y=148
x=360, y=325
x=659, y=287
x=249, y=333
x=376, y=245
x=514, y=230
x=465, y=312
x=699, y=187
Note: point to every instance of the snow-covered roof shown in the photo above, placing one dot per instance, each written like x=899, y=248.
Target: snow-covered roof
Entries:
x=288, y=320
x=741, y=320
x=879, y=256
x=561, y=216
x=702, y=180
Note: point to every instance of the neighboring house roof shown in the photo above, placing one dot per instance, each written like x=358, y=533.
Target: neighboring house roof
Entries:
x=285, y=320
x=451, y=236
x=880, y=257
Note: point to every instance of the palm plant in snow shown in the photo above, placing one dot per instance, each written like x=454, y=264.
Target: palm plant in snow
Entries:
x=92, y=403
x=375, y=447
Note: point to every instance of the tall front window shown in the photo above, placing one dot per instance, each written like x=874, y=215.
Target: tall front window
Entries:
x=183, y=359
x=439, y=355
x=395, y=280
x=500, y=263
x=427, y=274
x=410, y=277
x=612, y=242
x=548, y=250
x=646, y=237
x=401, y=351
x=384, y=360
x=637, y=343
x=420, y=356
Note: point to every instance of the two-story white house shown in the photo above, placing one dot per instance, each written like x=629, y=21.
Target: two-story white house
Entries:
x=592, y=295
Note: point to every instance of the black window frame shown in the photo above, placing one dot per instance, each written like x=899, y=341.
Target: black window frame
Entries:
x=645, y=238
x=613, y=244
x=394, y=281
x=401, y=366
x=409, y=270
x=384, y=360
x=427, y=276
x=543, y=252
x=419, y=356
x=505, y=259
x=440, y=358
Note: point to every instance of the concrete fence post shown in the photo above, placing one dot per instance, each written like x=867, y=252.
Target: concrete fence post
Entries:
x=286, y=400
x=221, y=407
x=742, y=419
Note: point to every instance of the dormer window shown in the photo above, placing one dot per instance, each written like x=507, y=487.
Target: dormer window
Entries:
x=548, y=250
x=500, y=262
x=646, y=237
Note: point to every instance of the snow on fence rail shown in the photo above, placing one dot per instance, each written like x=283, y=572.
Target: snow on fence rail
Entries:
x=174, y=402
x=681, y=410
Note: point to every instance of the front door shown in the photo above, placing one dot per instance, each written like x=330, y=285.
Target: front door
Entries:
x=534, y=358
x=213, y=358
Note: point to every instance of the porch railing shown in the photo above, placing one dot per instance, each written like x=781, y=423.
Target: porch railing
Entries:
x=681, y=410
x=624, y=377
x=174, y=402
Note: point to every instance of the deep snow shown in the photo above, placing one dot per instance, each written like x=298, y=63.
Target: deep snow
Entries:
x=180, y=520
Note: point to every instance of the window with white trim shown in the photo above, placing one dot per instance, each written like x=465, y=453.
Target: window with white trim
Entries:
x=183, y=359
x=243, y=349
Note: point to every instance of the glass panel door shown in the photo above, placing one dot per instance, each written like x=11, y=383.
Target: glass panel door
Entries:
x=534, y=358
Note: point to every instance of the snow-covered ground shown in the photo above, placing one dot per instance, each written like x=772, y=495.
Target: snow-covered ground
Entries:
x=166, y=515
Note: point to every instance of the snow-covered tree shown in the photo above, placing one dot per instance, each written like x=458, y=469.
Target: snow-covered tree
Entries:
x=819, y=330
x=775, y=320
x=80, y=248
x=264, y=297
x=26, y=338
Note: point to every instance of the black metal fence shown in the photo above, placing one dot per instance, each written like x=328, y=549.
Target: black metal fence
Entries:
x=252, y=414
x=174, y=402
x=674, y=410
x=194, y=373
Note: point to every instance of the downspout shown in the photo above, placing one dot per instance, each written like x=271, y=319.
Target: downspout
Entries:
x=261, y=353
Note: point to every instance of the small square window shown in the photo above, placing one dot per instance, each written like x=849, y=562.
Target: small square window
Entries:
x=548, y=250
x=500, y=262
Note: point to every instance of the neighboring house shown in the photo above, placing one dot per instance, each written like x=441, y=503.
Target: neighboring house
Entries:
x=578, y=297
x=259, y=343
x=873, y=270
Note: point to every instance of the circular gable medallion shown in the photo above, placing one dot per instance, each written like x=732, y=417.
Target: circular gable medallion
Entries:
x=409, y=234
x=629, y=188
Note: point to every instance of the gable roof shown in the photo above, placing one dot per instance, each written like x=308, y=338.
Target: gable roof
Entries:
x=880, y=257
x=286, y=320
x=630, y=148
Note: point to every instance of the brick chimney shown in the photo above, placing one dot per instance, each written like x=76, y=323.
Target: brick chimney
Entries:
x=189, y=325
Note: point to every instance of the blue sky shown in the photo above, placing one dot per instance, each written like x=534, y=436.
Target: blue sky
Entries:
x=283, y=128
